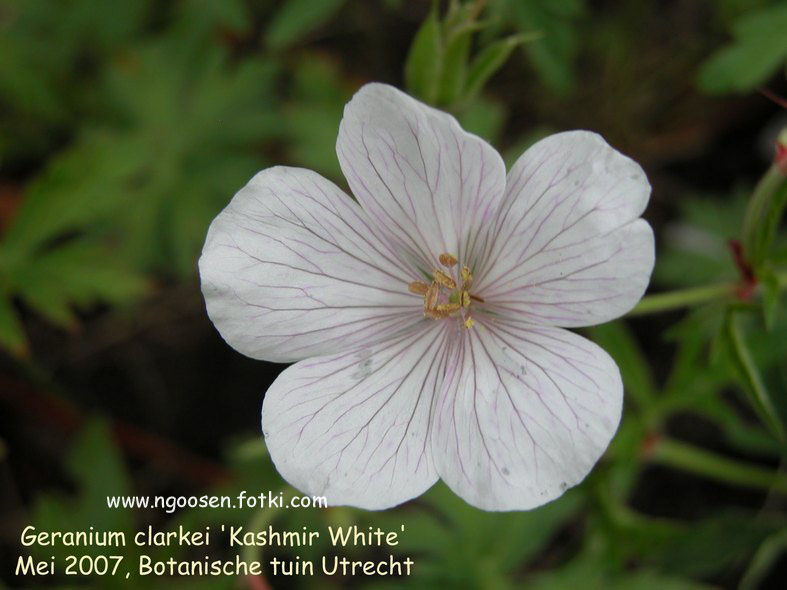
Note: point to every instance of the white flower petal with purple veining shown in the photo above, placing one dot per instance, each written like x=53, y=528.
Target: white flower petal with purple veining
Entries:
x=292, y=269
x=354, y=427
x=567, y=248
x=524, y=413
x=470, y=380
x=431, y=185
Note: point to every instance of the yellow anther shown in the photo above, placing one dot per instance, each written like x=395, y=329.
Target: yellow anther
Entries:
x=434, y=314
x=443, y=279
x=430, y=297
x=443, y=298
x=418, y=288
x=447, y=259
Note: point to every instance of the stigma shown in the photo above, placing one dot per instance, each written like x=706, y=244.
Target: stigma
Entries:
x=448, y=294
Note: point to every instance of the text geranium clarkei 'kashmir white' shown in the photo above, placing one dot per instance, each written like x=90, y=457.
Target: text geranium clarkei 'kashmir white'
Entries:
x=426, y=320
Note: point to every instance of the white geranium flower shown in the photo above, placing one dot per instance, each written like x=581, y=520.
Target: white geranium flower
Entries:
x=424, y=317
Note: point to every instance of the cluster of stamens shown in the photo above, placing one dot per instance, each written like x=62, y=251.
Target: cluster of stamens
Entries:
x=443, y=298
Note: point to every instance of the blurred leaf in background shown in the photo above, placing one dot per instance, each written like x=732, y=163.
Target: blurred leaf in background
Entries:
x=135, y=190
x=51, y=54
x=758, y=50
x=557, y=23
x=318, y=95
x=696, y=248
x=440, y=68
x=191, y=131
x=295, y=19
x=97, y=469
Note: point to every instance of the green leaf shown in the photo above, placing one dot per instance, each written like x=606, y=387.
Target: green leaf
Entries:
x=763, y=214
x=46, y=91
x=694, y=386
x=695, y=252
x=71, y=193
x=553, y=54
x=764, y=560
x=759, y=49
x=619, y=342
x=771, y=297
x=752, y=381
x=423, y=68
x=520, y=146
x=98, y=470
x=715, y=545
x=490, y=60
x=12, y=335
x=297, y=18
x=454, y=66
x=206, y=16
x=186, y=144
x=464, y=547
x=484, y=117
x=313, y=115
x=590, y=573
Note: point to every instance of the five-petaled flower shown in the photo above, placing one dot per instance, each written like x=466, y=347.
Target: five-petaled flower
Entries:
x=424, y=317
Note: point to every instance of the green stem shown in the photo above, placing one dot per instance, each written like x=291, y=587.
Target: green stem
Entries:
x=682, y=298
x=680, y=455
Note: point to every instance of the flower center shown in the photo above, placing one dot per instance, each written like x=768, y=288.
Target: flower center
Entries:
x=448, y=296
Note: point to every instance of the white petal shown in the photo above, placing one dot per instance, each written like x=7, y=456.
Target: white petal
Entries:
x=414, y=169
x=292, y=268
x=354, y=427
x=567, y=248
x=525, y=415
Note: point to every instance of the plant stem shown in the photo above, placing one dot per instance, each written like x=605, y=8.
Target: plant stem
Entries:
x=682, y=298
x=693, y=296
x=680, y=455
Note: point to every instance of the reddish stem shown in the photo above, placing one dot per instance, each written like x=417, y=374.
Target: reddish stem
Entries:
x=748, y=280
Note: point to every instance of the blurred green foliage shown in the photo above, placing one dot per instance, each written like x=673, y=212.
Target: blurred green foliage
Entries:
x=759, y=49
x=439, y=68
x=126, y=126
